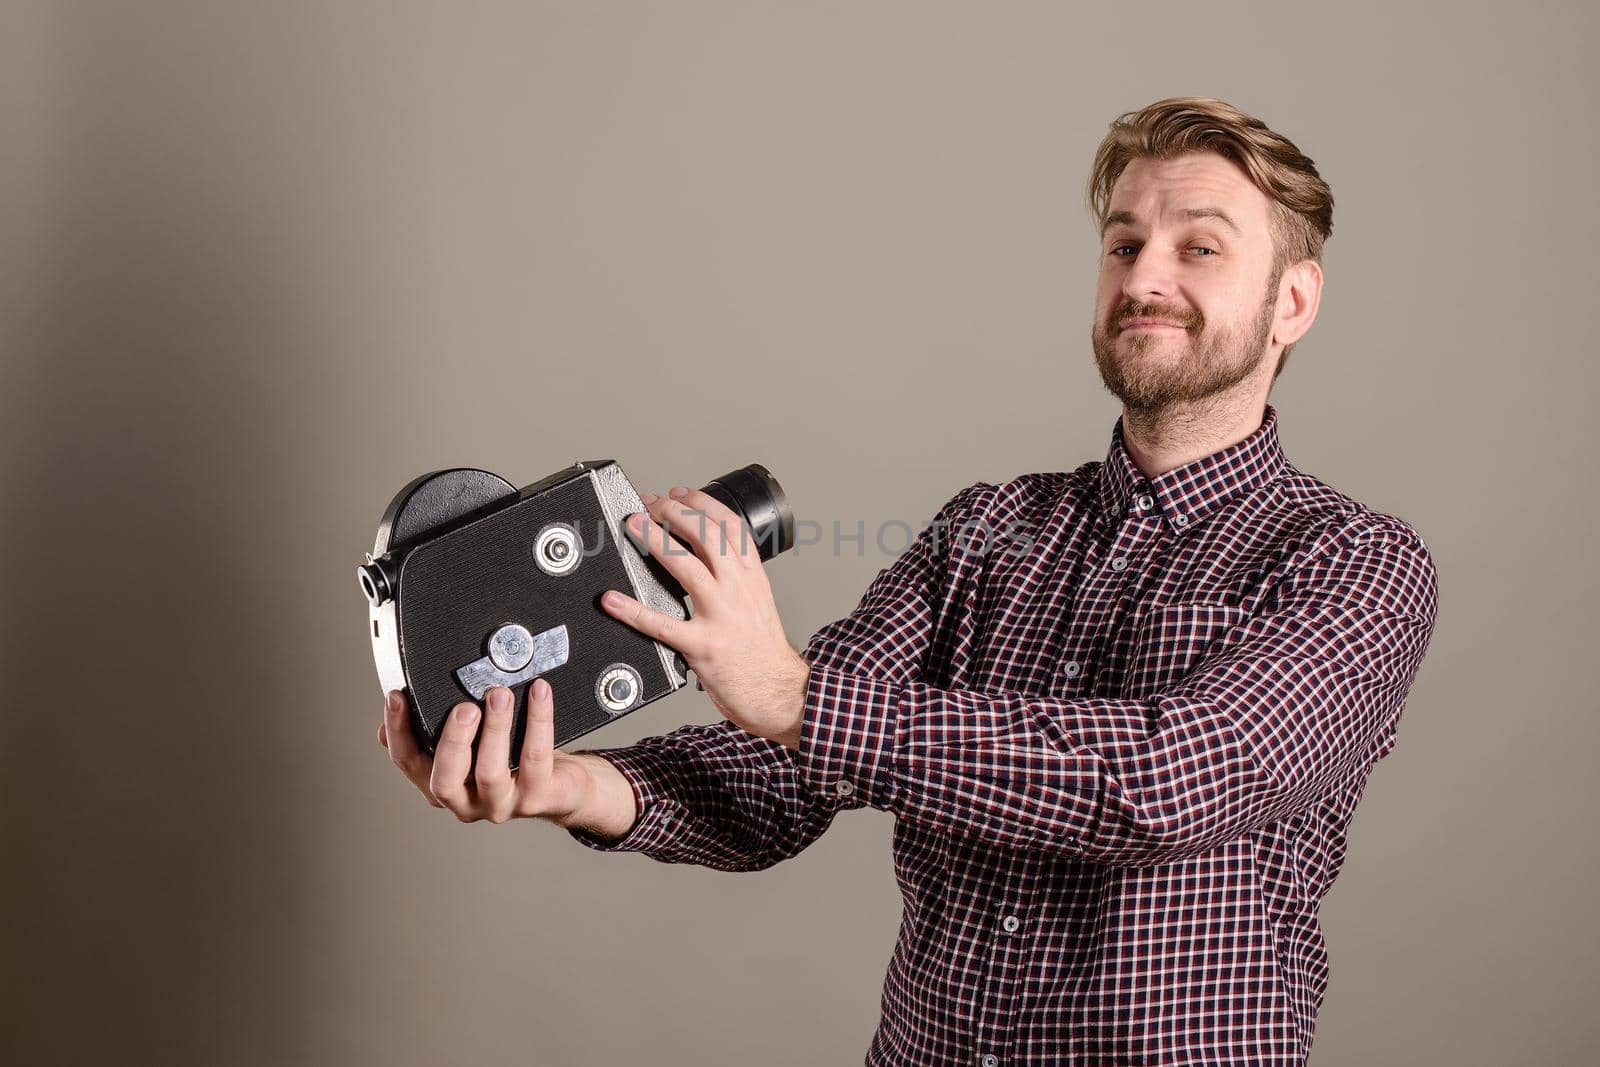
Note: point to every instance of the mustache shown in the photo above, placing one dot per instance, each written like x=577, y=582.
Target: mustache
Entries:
x=1130, y=311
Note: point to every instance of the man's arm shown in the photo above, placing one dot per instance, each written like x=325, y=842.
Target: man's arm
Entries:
x=1289, y=704
x=711, y=795
x=720, y=797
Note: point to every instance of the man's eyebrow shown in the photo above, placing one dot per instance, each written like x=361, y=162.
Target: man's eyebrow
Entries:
x=1214, y=213
x=1124, y=218
x=1127, y=218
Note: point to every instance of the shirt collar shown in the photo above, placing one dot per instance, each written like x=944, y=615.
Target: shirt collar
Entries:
x=1185, y=495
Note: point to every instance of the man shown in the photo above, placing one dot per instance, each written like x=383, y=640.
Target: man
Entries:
x=1122, y=714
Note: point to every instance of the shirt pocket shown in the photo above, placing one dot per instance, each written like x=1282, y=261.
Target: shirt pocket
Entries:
x=1171, y=641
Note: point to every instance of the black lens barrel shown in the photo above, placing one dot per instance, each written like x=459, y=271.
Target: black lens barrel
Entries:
x=754, y=494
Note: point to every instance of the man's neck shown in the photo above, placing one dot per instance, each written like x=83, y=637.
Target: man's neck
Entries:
x=1166, y=440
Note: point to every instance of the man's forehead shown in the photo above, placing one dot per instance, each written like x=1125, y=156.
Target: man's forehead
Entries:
x=1221, y=215
x=1197, y=186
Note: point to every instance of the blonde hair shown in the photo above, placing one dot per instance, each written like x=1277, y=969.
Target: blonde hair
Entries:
x=1302, y=203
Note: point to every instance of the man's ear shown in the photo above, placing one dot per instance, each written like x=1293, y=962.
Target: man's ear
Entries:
x=1299, y=294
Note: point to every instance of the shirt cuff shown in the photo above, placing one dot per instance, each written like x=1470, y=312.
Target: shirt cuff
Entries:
x=847, y=736
x=653, y=827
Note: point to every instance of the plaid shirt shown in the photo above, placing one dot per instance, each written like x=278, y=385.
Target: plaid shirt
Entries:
x=1122, y=723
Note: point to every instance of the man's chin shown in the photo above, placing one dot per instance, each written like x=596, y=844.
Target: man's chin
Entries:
x=1136, y=340
x=1170, y=351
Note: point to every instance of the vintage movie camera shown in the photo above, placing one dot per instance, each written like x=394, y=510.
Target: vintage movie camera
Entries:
x=473, y=583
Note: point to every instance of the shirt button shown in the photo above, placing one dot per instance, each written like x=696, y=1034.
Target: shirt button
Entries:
x=1011, y=923
x=1072, y=668
x=1144, y=502
x=990, y=1060
x=1120, y=563
x=844, y=787
x=1180, y=520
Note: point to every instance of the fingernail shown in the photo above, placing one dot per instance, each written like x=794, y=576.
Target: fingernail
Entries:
x=469, y=715
x=499, y=698
x=391, y=701
x=612, y=599
x=678, y=492
x=541, y=688
x=650, y=498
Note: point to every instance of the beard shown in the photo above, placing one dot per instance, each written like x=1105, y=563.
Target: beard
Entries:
x=1211, y=362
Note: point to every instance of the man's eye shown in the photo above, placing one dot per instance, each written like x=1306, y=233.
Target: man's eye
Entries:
x=1119, y=248
x=1203, y=248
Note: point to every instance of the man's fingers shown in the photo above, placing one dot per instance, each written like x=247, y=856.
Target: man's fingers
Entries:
x=681, y=562
x=452, y=760
x=412, y=761
x=670, y=631
x=494, y=753
x=538, y=747
x=738, y=540
x=714, y=541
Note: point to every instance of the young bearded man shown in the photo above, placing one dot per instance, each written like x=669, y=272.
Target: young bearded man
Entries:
x=1122, y=714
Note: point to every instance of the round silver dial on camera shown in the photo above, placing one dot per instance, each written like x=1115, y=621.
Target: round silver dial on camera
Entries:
x=618, y=688
x=557, y=550
x=511, y=647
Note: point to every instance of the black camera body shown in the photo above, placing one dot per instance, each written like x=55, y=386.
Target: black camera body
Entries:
x=473, y=583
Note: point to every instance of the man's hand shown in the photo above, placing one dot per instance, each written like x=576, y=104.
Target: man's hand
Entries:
x=570, y=790
x=734, y=642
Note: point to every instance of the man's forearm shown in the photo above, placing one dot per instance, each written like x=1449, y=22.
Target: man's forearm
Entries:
x=610, y=808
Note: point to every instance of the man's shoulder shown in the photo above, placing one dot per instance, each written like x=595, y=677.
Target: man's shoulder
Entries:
x=1339, y=519
x=1299, y=512
x=1030, y=495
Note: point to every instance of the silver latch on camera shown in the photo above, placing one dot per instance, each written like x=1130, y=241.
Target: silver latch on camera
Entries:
x=515, y=655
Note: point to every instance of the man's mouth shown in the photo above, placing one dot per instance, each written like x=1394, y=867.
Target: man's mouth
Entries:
x=1150, y=324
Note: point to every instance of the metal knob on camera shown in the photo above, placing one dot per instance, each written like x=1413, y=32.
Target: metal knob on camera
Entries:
x=557, y=549
x=618, y=688
x=376, y=582
x=511, y=647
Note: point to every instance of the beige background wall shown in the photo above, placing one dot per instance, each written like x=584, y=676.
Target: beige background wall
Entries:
x=262, y=263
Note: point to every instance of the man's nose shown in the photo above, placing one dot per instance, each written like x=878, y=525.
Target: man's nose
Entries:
x=1150, y=279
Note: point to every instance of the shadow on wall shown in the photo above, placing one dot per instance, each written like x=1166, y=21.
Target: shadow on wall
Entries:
x=152, y=858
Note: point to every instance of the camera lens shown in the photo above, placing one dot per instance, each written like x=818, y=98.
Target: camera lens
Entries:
x=754, y=494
